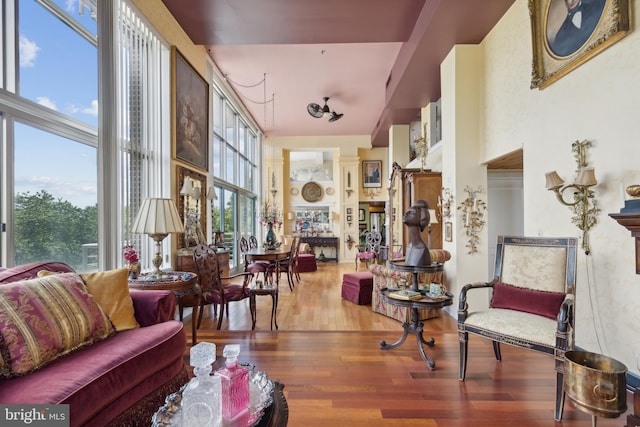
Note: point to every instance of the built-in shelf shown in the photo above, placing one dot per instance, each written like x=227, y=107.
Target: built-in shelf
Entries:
x=631, y=221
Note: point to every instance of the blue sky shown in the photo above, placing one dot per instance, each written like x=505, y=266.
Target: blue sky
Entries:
x=58, y=69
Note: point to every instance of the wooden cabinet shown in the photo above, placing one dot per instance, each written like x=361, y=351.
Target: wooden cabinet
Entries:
x=184, y=261
x=418, y=185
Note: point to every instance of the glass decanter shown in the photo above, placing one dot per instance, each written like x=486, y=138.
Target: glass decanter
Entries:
x=202, y=398
x=235, y=384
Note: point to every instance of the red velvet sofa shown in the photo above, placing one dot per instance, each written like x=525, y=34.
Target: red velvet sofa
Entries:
x=120, y=381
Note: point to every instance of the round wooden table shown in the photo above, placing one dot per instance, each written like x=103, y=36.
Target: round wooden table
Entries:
x=181, y=283
x=426, y=301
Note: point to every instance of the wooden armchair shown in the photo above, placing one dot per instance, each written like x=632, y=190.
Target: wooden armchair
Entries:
x=371, y=249
x=532, y=304
x=214, y=291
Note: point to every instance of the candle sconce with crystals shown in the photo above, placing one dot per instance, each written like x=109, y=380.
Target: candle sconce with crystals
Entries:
x=191, y=193
x=473, y=217
x=445, y=201
x=584, y=205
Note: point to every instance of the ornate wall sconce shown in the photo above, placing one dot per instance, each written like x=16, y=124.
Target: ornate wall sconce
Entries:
x=274, y=191
x=371, y=192
x=445, y=201
x=191, y=193
x=349, y=241
x=349, y=190
x=473, y=210
x=422, y=148
x=584, y=211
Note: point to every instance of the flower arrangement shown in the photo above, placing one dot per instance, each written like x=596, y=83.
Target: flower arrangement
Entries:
x=130, y=255
x=270, y=214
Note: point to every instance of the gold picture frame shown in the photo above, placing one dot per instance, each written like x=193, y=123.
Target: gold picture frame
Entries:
x=560, y=47
x=372, y=173
x=190, y=112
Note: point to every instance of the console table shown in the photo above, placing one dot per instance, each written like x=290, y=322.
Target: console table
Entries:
x=326, y=242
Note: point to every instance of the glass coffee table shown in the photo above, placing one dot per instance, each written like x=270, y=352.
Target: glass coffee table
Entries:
x=268, y=405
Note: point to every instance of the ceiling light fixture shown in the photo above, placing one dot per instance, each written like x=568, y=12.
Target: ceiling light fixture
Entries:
x=315, y=110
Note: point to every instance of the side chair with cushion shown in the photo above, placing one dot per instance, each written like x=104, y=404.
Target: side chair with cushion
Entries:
x=368, y=253
x=214, y=291
x=532, y=304
x=255, y=267
x=287, y=265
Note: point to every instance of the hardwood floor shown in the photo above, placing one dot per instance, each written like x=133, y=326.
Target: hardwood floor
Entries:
x=327, y=353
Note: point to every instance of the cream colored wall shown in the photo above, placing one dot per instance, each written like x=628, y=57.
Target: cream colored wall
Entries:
x=460, y=168
x=346, y=151
x=599, y=101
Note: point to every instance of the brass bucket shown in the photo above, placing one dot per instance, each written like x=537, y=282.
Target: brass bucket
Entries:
x=595, y=383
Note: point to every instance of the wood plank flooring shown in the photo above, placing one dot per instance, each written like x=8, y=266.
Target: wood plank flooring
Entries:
x=327, y=353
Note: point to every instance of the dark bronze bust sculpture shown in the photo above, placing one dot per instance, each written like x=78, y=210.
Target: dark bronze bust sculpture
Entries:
x=416, y=218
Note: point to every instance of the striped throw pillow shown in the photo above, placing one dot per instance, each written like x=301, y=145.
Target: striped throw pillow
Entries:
x=45, y=318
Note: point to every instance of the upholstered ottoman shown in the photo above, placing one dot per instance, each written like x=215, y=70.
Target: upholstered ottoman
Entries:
x=357, y=287
x=307, y=263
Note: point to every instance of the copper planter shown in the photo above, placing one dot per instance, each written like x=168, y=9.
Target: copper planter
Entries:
x=595, y=383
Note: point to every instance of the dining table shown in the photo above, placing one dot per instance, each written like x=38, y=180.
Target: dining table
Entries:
x=274, y=256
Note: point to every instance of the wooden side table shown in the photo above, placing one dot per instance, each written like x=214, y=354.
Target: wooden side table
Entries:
x=427, y=301
x=181, y=283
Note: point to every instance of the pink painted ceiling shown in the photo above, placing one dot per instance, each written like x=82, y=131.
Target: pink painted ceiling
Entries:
x=377, y=60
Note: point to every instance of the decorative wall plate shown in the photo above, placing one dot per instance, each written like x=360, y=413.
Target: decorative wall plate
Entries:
x=312, y=192
x=294, y=191
x=329, y=191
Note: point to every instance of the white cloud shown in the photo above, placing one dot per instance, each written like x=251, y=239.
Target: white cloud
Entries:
x=71, y=5
x=28, y=52
x=46, y=102
x=79, y=193
x=93, y=110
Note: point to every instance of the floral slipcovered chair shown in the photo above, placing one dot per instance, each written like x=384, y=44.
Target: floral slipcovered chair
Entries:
x=384, y=277
x=532, y=303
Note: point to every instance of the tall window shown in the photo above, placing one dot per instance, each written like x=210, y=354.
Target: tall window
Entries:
x=51, y=165
x=48, y=112
x=235, y=153
x=142, y=77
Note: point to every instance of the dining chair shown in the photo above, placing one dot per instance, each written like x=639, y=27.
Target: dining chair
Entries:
x=287, y=265
x=255, y=267
x=370, y=251
x=214, y=291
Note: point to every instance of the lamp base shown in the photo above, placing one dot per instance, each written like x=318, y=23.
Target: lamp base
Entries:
x=157, y=260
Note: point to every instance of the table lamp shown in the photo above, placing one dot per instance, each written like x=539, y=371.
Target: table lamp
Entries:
x=157, y=218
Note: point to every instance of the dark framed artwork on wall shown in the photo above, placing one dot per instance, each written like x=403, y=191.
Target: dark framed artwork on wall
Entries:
x=190, y=112
x=567, y=33
x=371, y=173
x=361, y=215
